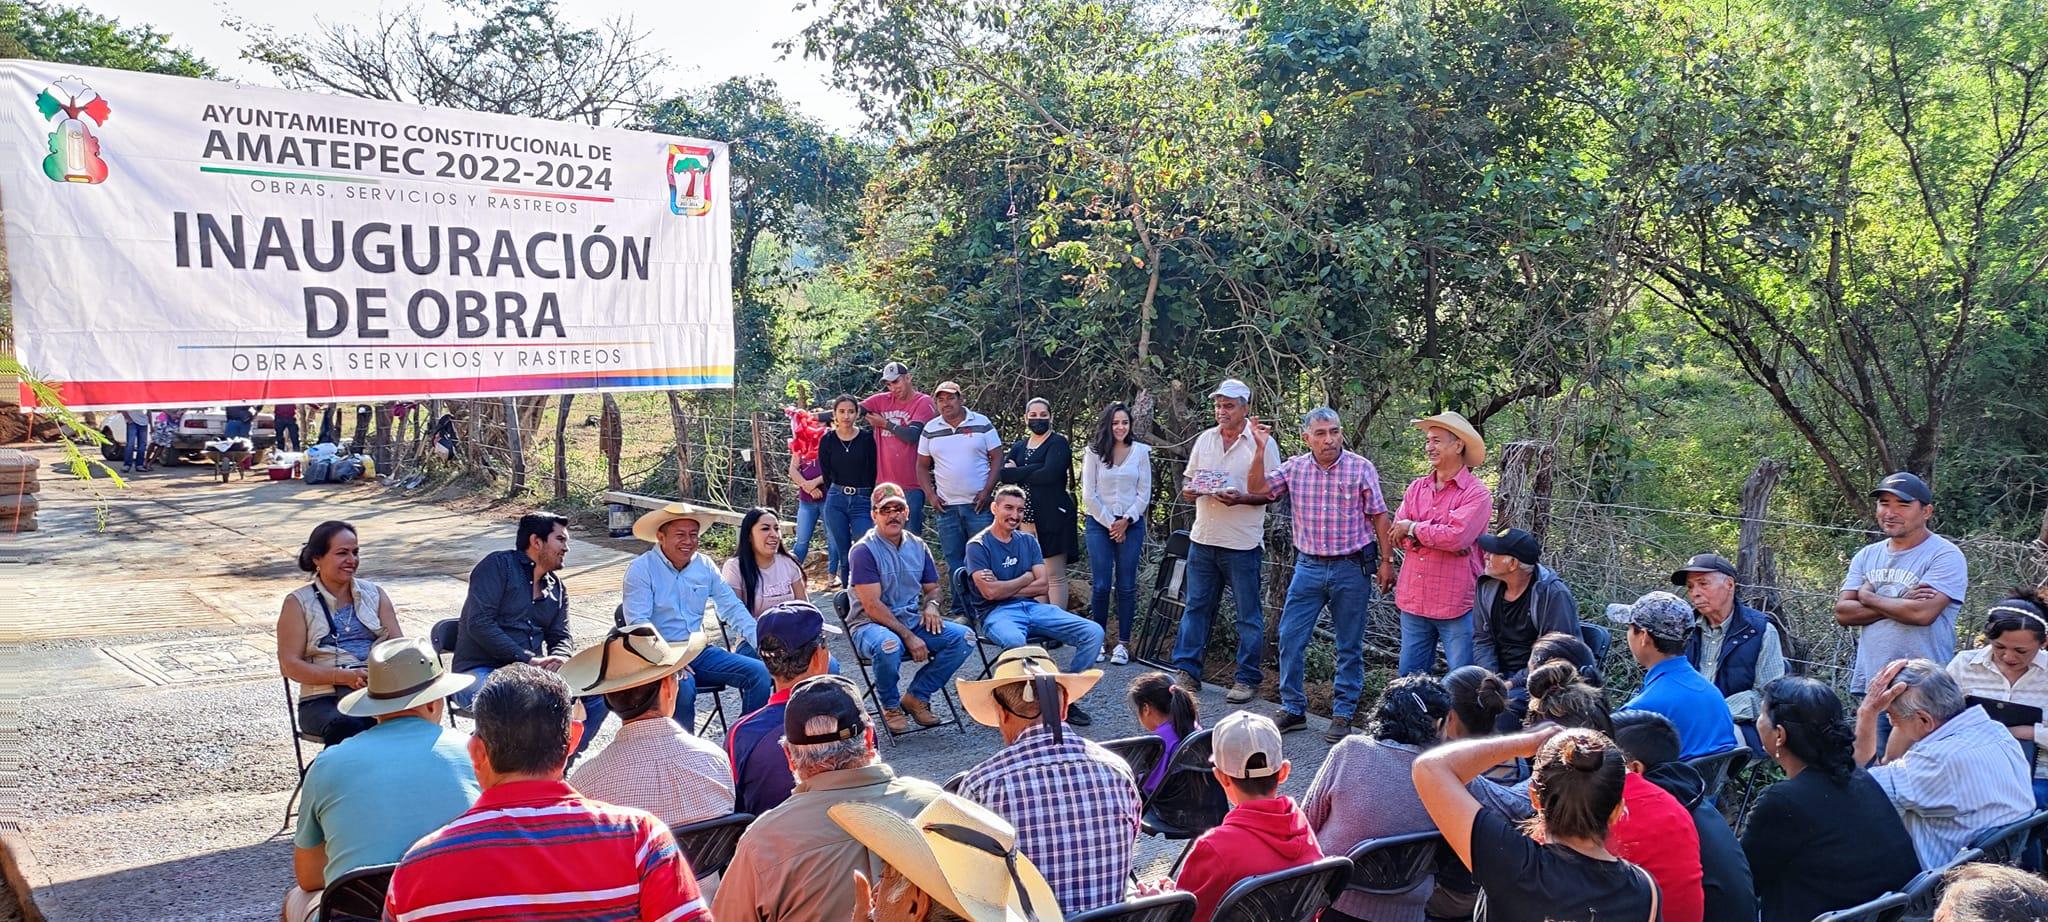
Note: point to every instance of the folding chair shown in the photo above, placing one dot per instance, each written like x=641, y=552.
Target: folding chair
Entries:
x=300, y=737
x=1715, y=769
x=714, y=689
x=443, y=636
x=358, y=895
x=1597, y=638
x=1163, y=907
x=2005, y=844
x=1142, y=753
x=953, y=784
x=709, y=844
x=1188, y=801
x=1294, y=895
x=963, y=610
x=1886, y=908
x=1160, y=626
x=1923, y=891
x=842, y=608
x=1392, y=865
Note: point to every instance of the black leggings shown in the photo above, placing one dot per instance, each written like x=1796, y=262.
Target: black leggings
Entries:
x=322, y=716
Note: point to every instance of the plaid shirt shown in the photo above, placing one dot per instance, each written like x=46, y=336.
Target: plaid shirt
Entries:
x=1441, y=568
x=1075, y=808
x=1333, y=507
x=653, y=764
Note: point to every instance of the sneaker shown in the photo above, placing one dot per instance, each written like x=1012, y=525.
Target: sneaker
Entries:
x=893, y=719
x=1288, y=721
x=1240, y=693
x=921, y=712
x=1340, y=727
x=836, y=584
x=1119, y=656
x=1078, y=717
x=1187, y=682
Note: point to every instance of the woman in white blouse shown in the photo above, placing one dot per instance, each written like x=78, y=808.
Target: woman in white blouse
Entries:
x=1116, y=478
x=2011, y=667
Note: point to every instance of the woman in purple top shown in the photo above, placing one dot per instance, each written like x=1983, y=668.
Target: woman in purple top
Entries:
x=1167, y=710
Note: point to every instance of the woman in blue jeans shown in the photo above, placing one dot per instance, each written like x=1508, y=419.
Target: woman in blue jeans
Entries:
x=846, y=456
x=1116, y=478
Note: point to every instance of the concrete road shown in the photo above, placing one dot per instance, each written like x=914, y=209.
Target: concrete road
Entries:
x=157, y=754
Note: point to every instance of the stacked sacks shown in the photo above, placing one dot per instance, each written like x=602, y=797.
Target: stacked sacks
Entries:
x=18, y=488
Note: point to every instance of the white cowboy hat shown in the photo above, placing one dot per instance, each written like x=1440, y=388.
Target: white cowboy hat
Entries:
x=404, y=673
x=1455, y=424
x=957, y=852
x=630, y=656
x=648, y=527
x=1018, y=665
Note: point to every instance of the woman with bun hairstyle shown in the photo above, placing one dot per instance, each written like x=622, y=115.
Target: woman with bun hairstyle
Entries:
x=326, y=629
x=1364, y=791
x=1552, y=646
x=1826, y=837
x=1561, y=870
x=1478, y=699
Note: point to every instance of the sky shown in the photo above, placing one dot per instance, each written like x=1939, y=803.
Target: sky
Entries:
x=706, y=41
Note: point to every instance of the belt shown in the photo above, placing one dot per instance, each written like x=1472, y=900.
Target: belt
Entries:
x=1339, y=558
x=852, y=491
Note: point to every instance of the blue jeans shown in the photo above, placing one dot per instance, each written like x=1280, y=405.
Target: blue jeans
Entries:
x=1113, y=564
x=948, y=649
x=594, y=708
x=1208, y=568
x=137, y=448
x=718, y=666
x=236, y=429
x=915, y=495
x=847, y=519
x=1020, y=621
x=1343, y=587
x=1419, y=638
x=288, y=434
x=957, y=523
x=807, y=515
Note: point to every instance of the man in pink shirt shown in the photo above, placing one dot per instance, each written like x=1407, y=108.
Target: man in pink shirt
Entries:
x=897, y=415
x=1440, y=517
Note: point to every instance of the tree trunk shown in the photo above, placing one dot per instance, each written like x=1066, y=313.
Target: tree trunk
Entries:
x=682, y=430
x=1525, y=477
x=1751, y=578
x=515, y=444
x=610, y=441
x=765, y=492
x=380, y=442
x=562, y=448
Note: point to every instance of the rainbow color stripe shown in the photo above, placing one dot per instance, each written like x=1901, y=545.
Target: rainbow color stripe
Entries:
x=89, y=394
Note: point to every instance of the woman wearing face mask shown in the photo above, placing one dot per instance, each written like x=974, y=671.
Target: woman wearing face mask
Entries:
x=1043, y=462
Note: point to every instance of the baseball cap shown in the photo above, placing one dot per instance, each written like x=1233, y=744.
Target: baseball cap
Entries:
x=792, y=623
x=1513, y=542
x=887, y=493
x=823, y=696
x=1233, y=389
x=894, y=370
x=1246, y=745
x=1906, y=485
x=1702, y=563
x=947, y=387
x=1659, y=614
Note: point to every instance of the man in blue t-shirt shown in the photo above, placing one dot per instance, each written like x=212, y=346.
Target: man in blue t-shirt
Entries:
x=793, y=646
x=1007, y=582
x=1658, y=624
x=370, y=797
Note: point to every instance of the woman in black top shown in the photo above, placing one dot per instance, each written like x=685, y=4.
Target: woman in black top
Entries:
x=846, y=453
x=1826, y=837
x=1561, y=871
x=1043, y=463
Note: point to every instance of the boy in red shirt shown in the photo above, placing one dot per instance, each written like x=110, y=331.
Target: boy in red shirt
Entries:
x=1263, y=832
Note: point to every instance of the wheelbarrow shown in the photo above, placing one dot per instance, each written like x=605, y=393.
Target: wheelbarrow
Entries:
x=230, y=456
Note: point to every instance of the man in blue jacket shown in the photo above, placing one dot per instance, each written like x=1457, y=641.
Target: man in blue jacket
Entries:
x=1735, y=646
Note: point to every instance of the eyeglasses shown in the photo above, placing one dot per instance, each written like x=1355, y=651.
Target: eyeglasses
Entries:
x=987, y=844
x=628, y=633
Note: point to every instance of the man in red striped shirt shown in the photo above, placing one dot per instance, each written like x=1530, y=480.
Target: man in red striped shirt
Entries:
x=532, y=846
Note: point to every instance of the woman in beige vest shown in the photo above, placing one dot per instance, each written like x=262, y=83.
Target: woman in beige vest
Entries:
x=326, y=629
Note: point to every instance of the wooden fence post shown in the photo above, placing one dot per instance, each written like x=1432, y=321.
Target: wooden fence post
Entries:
x=1755, y=578
x=1525, y=477
x=765, y=492
x=562, y=448
x=610, y=441
x=515, y=443
x=682, y=429
x=380, y=442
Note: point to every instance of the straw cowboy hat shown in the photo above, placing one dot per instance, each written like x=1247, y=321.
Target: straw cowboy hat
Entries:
x=648, y=527
x=1019, y=665
x=1455, y=424
x=631, y=656
x=959, y=853
x=404, y=673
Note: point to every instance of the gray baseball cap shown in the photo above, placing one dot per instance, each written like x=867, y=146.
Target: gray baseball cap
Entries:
x=1659, y=614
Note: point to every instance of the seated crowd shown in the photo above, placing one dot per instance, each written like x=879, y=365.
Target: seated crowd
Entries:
x=1557, y=804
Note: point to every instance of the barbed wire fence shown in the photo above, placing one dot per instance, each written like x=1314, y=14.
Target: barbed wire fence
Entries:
x=706, y=450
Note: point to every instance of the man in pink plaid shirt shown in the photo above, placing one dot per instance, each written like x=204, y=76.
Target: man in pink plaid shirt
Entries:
x=1441, y=515
x=1339, y=522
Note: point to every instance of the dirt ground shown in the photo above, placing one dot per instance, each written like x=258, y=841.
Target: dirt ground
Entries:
x=157, y=757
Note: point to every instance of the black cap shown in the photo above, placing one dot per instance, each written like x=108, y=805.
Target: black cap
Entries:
x=792, y=623
x=1702, y=563
x=823, y=696
x=1515, y=543
x=1906, y=485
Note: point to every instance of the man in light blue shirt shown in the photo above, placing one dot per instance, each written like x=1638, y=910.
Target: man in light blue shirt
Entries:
x=369, y=798
x=670, y=586
x=1658, y=624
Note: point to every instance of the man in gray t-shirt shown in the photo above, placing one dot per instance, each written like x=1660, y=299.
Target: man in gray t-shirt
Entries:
x=1903, y=591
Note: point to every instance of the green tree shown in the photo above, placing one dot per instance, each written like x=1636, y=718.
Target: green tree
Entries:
x=76, y=35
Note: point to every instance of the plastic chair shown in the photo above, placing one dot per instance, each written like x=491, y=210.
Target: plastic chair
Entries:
x=842, y=608
x=300, y=737
x=443, y=636
x=1188, y=801
x=1715, y=769
x=1923, y=891
x=1886, y=908
x=1142, y=753
x=1392, y=865
x=1159, y=627
x=1293, y=895
x=1597, y=638
x=709, y=844
x=2005, y=844
x=963, y=611
x=359, y=894
x=1161, y=907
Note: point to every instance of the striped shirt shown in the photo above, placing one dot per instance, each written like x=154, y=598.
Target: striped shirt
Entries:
x=1964, y=777
x=539, y=850
x=653, y=764
x=1332, y=508
x=1075, y=808
x=1441, y=568
x=1979, y=676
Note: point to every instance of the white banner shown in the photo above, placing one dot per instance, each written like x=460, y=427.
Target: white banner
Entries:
x=177, y=242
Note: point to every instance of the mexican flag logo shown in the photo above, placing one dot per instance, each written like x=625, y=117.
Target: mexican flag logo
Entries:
x=689, y=180
x=75, y=111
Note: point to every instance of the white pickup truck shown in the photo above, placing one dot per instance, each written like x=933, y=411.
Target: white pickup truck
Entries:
x=198, y=427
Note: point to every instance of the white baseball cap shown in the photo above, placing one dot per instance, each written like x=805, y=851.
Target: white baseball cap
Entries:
x=1246, y=745
x=1233, y=389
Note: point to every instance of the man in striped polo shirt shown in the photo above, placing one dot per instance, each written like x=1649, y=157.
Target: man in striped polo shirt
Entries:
x=532, y=845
